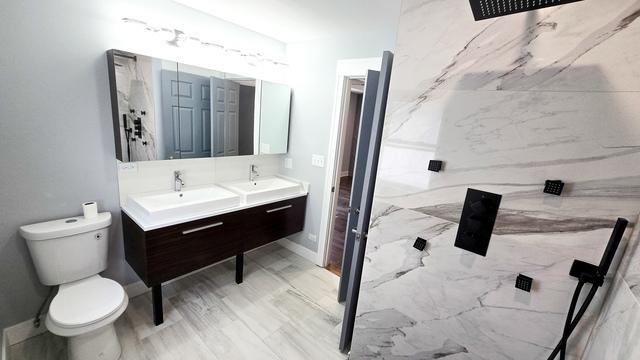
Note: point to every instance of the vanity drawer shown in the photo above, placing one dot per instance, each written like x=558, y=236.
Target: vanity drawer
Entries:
x=180, y=249
x=274, y=221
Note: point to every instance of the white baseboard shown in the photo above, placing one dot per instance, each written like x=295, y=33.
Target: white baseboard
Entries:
x=299, y=249
x=4, y=350
x=22, y=331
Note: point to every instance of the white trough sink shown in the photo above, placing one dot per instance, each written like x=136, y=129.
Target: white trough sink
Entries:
x=266, y=189
x=169, y=205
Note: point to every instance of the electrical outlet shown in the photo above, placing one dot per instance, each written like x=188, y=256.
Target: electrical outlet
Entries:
x=313, y=237
x=288, y=163
x=317, y=160
x=127, y=166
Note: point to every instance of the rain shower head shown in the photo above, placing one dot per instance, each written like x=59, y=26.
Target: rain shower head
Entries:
x=486, y=9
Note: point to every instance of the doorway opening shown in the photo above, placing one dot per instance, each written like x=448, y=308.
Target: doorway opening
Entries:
x=344, y=165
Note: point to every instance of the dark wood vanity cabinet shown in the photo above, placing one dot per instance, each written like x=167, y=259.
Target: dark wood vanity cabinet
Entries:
x=163, y=254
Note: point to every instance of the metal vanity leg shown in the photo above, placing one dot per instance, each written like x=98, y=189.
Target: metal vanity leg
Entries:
x=156, y=295
x=239, y=267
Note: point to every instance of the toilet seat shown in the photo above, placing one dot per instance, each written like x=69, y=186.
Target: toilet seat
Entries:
x=85, y=305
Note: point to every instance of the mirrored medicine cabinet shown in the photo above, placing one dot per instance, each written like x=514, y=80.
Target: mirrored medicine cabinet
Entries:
x=165, y=110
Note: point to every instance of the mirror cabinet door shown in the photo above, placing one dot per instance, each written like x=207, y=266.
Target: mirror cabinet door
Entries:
x=164, y=110
x=137, y=84
x=275, y=104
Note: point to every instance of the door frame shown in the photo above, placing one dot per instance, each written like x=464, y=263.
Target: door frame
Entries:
x=345, y=71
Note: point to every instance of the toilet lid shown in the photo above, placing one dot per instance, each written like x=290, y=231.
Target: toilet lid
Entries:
x=86, y=301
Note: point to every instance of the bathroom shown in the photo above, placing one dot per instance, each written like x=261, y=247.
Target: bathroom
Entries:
x=534, y=111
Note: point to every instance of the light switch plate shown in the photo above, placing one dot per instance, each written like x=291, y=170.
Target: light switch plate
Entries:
x=288, y=163
x=317, y=160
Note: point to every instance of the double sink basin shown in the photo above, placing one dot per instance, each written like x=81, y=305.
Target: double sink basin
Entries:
x=168, y=205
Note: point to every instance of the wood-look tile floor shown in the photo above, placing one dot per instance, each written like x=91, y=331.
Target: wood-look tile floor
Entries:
x=285, y=309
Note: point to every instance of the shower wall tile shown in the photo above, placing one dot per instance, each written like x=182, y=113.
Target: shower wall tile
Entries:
x=616, y=333
x=506, y=104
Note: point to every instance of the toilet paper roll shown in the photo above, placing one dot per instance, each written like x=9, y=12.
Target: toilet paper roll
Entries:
x=90, y=209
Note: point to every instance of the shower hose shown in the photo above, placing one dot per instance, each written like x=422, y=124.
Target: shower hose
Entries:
x=571, y=322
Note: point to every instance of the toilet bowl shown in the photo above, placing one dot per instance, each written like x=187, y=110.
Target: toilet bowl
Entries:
x=71, y=253
x=84, y=311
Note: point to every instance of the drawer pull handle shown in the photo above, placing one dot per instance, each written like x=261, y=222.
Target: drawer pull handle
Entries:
x=186, y=232
x=280, y=208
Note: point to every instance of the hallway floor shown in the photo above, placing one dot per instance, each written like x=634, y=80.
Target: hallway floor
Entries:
x=336, y=246
x=285, y=309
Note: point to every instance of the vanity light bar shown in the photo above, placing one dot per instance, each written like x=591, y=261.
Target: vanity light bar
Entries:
x=178, y=38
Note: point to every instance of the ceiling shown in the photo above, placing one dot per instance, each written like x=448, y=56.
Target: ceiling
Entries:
x=302, y=20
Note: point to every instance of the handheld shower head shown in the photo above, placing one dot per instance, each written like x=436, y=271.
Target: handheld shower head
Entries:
x=612, y=246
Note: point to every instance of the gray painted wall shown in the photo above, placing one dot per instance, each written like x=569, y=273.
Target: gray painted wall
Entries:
x=56, y=137
x=313, y=79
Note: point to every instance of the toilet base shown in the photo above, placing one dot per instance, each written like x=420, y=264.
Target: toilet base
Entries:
x=100, y=344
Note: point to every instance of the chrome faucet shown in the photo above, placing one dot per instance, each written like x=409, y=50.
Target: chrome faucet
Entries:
x=177, y=181
x=253, y=172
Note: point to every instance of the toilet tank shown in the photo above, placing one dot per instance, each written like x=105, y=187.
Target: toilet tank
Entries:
x=69, y=249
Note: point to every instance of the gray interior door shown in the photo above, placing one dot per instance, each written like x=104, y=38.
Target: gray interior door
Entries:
x=362, y=149
x=232, y=120
x=170, y=116
x=218, y=110
x=371, y=168
x=186, y=115
x=225, y=107
x=195, y=115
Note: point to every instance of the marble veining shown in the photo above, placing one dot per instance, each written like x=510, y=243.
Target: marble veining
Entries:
x=506, y=103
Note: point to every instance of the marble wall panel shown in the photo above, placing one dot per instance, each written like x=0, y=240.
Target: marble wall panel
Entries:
x=506, y=103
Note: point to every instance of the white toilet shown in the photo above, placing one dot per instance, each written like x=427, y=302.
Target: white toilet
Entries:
x=70, y=253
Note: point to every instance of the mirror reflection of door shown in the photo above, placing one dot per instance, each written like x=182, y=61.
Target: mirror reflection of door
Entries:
x=189, y=98
x=226, y=111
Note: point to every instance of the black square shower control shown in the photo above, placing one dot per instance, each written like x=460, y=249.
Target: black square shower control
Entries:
x=477, y=221
x=420, y=243
x=524, y=282
x=435, y=165
x=553, y=187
